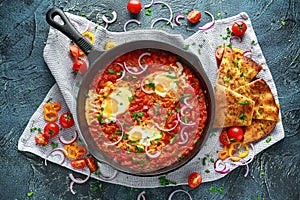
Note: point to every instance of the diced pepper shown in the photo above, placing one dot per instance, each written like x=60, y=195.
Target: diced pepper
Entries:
x=223, y=154
x=235, y=147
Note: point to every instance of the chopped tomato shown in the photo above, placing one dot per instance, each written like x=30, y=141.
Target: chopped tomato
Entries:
x=79, y=66
x=66, y=120
x=239, y=28
x=78, y=163
x=194, y=179
x=194, y=16
x=51, y=129
x=224, y=138
x=235, y=133
x=41, y=139
x=134, y=6
x=91, y=163
x=76, y=51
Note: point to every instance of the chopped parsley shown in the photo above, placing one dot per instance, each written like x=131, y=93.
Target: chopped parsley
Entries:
x=186, y=46
x=148, y=12
x=243, y=103
x=164, y=181
x=268, y=140
x=130, y=99
x=219, y=15
x=30, y=194
x=173, y=138
x=54, y=145
x=111, y=71
x=150, y=85
x=283, y=23
x=171, y=76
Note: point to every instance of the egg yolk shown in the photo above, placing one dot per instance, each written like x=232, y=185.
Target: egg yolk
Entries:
x=135, y=136
x=111, y=106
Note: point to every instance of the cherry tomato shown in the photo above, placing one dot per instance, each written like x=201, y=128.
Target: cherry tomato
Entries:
x=78, y=163
x=134, y=6
x=91, y=163
x=194, y=16
x=219, y=54
x=66, y=120
x=76, y=51
x=51, y=129
x=224, y=138
x=41, y=139
x=194, y=179
x=79, y=66
x=235, y=133
x=239, y=28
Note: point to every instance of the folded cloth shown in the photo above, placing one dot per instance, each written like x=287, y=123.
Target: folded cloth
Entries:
x=202, y=43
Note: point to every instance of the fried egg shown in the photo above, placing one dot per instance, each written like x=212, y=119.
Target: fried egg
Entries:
x=165, y=84
x=143, y=135
x=116, y=103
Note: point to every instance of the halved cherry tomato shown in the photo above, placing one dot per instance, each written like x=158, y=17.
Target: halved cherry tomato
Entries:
x=239, y=28
x=194, y=16
x=91, y=163
x=219, y=54
x=134, y=6
x=76, y=51
x=224, y=138
x=41, y=139
x=194, y=179
x=78, y=163
x=66, y=120
x=51, y=129
x=79, y=66
x=235, y=133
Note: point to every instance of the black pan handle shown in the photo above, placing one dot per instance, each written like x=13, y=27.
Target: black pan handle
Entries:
x=68, y=29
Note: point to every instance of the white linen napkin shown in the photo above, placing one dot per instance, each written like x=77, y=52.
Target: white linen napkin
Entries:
x=202, y=44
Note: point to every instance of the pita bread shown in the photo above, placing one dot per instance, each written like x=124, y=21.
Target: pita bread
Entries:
x=258, y=129
x=265, y=106
x=236, y=70
x=232, y=109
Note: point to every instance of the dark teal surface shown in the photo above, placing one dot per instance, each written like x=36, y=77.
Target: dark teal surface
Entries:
x=25, y=80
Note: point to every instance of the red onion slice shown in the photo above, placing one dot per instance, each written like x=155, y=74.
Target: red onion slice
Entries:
x=140, y=58
x=186, y=103
x=208, y=25
x=123, y=73
x=166, y=130
x=184, y=136
x=76, y=24
x=121, y=137
x=177, y=17
x=149, y=5
x=143, y=89
x=248, y=53
x=234, y=37
x=218, y=167
x=141, y=196
x=152, y=155
x=131, y=21
x=60, y=151
x=72, y=184
x=135, y=73
x=114, y=14
x=80, y=181
x=191, y=124
x=67, y=142
x=169, y=7
x=175, y=191
x=161, y=19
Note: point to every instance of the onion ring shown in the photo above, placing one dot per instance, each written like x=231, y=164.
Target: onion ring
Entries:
x=236, y=38
x=67, y=142
x=56, y=150
x=166, y=130
x=162, y=19
x=247, y=53
x=141, y=195
x=143, y=89
x=224, y=170
x=140, y=57
x=177, y=17
x=184, y=136
x=80, y=181
x=152, y=155
x=135, y=73
x=149, y=5
x=169, y=7
x=72, y=184
x=131, y=21
x=121, y=137
x=208, y=25
x=186, y=103
x=175, y=191
x=192, y=124
x=123, y=73
x=114, y=14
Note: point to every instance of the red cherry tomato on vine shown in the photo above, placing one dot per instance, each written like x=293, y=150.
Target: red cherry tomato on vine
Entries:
x=224, y=138
x=194, y=179
x=235, y=133
x=79, y=66
x=239, y=28
x=66, y=120
x=78, y=163
x=41, y=139
x=194, y=16
x=51, y=129
x=134, y=6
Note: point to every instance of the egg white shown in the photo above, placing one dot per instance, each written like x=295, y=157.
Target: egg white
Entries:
x=143, y=135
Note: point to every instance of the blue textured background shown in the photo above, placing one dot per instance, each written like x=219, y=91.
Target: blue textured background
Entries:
x=25, y=80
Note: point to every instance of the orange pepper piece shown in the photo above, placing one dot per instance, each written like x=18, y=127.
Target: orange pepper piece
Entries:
x=81, y=151
x=51, y=111
x=232, y=150
x=73, y=151
x=223, y=154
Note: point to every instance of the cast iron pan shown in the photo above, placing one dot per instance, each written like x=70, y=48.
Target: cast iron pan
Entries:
x=100, y=59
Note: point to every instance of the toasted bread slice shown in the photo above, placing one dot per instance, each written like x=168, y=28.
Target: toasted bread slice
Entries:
x=258, y=129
